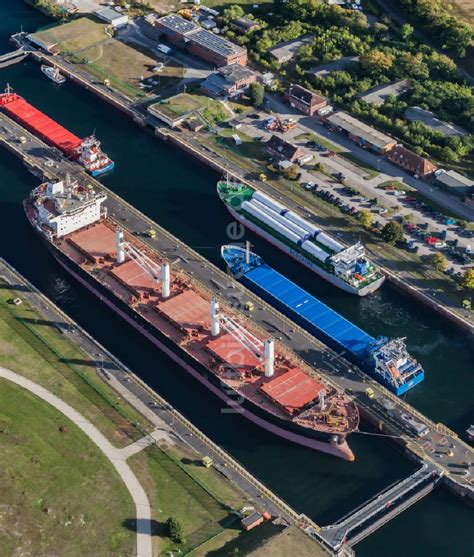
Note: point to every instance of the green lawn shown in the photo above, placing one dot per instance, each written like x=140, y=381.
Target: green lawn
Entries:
x=124, y=65
x=187, y=103
x=75, y=35
x=34, y=348
x=59, y=494
x=174, y=490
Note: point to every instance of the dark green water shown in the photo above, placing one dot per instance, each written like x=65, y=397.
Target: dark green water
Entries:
x=180, y=195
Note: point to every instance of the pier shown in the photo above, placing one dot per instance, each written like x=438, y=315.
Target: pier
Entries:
x=13, y=57
x=440, y=454
x=381, y=508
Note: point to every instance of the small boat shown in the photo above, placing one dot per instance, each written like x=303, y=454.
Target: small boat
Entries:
x=53, y=74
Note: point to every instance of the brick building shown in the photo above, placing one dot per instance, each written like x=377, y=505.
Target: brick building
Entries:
x=304, y=100
x=198, y=41
x=280, y=149
x=406, y=159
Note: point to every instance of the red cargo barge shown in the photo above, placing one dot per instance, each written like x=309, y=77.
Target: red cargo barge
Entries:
x=226, y=352
x=86, y=151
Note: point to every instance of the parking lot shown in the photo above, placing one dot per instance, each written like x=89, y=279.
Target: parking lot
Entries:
x=348, y=186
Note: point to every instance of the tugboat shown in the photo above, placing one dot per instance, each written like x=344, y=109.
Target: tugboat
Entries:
x=53, y=74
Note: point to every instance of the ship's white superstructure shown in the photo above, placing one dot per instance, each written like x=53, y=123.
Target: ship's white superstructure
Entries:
x=63, y=207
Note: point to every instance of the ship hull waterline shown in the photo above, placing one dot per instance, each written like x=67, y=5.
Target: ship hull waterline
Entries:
x=369, y=289
x=340, y=450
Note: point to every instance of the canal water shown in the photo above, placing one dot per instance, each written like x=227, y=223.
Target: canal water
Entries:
x=180, y=194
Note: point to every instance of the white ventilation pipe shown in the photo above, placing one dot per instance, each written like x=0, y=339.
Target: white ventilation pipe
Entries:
x=165, y=279
x=215, y=325
x=269, y=353
x=119, y=245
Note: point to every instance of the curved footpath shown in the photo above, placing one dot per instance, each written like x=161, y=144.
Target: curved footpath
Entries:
x=116, y=456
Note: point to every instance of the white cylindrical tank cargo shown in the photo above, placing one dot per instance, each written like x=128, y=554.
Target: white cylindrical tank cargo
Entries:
x=281, y=219
x=300, y=221
x=270, y=222
x=269, y=202
x=315, y=251
x=331, y=243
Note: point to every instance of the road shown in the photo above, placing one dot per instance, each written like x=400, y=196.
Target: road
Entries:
x=387, y=171
x=116, y=457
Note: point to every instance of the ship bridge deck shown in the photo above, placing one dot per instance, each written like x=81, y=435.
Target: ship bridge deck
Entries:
x=316, y=315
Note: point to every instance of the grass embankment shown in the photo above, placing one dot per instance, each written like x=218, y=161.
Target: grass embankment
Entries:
x=179, y=485
x=176, y=482
x=59, y=494
x=33, y=347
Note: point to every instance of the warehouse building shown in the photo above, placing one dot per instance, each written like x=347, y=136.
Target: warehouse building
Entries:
x=361, y=133
x=112, y=17
x=416, y=164
x=454, y=183
x=198, y=41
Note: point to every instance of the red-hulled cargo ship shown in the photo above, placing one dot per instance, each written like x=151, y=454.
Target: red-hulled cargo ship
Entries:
x=221, y=348
x=86, y=151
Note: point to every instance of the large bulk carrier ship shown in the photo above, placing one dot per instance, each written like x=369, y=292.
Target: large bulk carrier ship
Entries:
x=86, y=152
x=386, y=360
x=347, y=268
x=223, y=350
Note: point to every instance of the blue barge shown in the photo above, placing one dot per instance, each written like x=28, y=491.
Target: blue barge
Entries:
x=385, y=360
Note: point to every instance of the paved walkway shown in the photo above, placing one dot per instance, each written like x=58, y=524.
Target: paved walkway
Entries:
x=116, y=457
x=153, y=437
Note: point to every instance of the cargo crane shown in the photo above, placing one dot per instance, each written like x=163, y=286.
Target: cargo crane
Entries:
x=262, y=350
x=156, y=272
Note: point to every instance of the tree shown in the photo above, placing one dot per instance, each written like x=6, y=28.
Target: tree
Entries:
x=467, y=280
x=392, y=232
x=406, y=31
x=291, y=173
x=256, y=94
x=366, y=218
x=376, y=62
x=438, y=261
x=175, y=530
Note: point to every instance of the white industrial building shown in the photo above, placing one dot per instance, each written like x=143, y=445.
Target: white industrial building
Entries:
x=112, y=17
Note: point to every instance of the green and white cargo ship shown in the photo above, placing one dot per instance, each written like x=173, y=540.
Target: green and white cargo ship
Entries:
x=347, y=268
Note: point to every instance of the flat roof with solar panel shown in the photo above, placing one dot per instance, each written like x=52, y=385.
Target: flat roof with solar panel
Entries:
x=215, y=43
x=178, y=24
